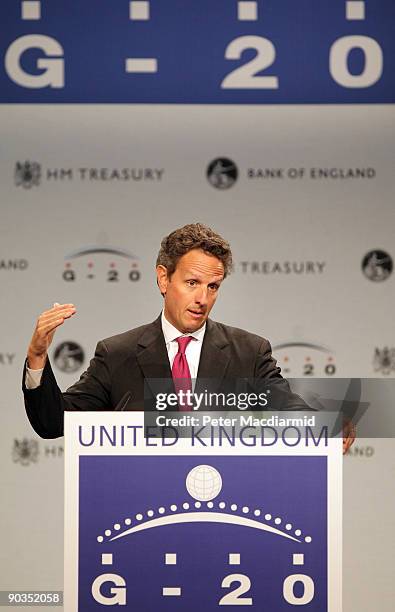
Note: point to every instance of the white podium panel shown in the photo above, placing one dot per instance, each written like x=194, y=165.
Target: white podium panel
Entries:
x=170, y=523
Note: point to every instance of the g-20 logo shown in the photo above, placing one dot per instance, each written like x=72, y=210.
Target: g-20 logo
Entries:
x=238, y=545
x=98, y=262
x=49, y=69
x=305, y=359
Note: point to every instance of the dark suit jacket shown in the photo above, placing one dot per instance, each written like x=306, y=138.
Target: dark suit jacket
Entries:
x=123, y=362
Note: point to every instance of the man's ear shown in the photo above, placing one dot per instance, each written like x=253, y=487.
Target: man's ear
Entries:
x=162, y=279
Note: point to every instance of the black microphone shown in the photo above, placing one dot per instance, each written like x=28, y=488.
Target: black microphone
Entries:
x=121, y=406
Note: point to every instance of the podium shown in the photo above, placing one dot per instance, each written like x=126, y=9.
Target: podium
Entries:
x=155, y=521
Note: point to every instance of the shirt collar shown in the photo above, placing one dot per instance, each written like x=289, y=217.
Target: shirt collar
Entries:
x=171, y=333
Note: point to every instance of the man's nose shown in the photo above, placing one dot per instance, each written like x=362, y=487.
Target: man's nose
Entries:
x=201, y=295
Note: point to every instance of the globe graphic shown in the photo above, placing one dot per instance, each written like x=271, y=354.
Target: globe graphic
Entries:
x=204, y=482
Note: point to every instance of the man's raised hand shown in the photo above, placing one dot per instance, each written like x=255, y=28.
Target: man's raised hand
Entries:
x=45, y=329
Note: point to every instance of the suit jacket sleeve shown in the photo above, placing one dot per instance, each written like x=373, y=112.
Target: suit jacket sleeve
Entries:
x=266, y=369
x=46, y=404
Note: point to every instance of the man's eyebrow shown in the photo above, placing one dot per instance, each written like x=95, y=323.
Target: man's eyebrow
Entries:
x=200, y=272
x=197, y=276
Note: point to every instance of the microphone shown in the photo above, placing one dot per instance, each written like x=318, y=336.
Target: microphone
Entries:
x=121, y=406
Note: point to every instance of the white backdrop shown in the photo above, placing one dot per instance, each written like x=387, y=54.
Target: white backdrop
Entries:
x=298, y=247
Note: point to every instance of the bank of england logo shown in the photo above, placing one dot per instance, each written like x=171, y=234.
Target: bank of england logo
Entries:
x=69, y=357
x=377, y=265
x=206, y=504
x=25, y=451
x=384, y=360
x=305, y=359
x=222, y=173
x=106, y=263
x=27, y=174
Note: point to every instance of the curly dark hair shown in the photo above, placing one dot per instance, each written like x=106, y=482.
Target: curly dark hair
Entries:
x=193, y=236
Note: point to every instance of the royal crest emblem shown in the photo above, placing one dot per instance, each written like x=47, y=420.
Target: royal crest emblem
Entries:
x=25, y=451
x=384, y=360
x=27, y=174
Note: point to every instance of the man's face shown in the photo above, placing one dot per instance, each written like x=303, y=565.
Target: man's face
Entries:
x=191, y=291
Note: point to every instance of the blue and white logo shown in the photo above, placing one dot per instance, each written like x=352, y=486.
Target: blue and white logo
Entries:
x=194, y=533
x=241, y=52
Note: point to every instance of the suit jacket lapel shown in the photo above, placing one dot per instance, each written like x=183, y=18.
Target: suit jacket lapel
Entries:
x=153, y=359
x=152, y=354
x=214, y=358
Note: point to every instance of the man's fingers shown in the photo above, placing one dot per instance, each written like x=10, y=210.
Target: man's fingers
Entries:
x=44, y=323
x=57, y=314
x=57, y=307
x=349, y=435
x=60, y=311
x=49, y=327
x=51, y=319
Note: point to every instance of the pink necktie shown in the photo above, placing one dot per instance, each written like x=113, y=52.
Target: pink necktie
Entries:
x=180, y=372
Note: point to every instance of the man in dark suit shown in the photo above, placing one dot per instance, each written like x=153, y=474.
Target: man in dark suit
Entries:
x=192, y=263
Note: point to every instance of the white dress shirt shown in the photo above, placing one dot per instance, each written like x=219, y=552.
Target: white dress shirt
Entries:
x=193, y=350
x=33, y=378
x=171, y=333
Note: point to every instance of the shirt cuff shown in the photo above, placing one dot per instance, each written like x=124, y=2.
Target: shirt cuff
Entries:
x=33, y=378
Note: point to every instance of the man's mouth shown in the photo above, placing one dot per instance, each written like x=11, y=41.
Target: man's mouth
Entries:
x=196, y=313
